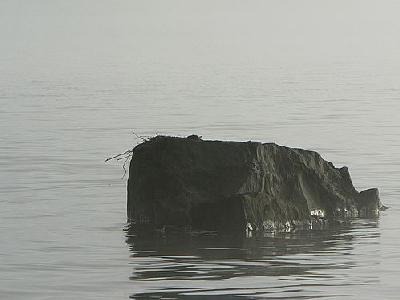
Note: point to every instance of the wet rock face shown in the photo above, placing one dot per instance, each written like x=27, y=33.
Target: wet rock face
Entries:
x=215, y=185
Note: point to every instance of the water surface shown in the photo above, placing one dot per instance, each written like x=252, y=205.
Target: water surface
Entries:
x=77, y=77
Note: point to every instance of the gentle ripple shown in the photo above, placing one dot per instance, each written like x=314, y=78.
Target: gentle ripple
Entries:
x=77, y=77
x=305, y=265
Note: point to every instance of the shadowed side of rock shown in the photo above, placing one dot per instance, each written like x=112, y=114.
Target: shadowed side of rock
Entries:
x=216, y=185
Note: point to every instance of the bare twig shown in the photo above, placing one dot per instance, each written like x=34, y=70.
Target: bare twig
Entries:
x=144, y=139
x=124, y=165
x=125, y=156
x=120, y=156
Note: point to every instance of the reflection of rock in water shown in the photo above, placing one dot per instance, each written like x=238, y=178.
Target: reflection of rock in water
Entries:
x=199, y=267
x=216, y=185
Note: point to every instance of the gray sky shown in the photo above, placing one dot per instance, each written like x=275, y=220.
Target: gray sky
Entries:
x=55, y=36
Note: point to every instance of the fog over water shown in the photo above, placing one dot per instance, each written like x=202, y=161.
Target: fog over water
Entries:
x=77, y=77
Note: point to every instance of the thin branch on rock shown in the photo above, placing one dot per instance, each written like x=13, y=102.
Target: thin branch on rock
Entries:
x=142, y=138
x=125, y=156
x=120, y=156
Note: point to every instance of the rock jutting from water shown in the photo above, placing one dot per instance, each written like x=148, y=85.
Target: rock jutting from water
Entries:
x=238, y=186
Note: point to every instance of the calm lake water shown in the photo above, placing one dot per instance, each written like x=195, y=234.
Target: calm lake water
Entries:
x=77, y=77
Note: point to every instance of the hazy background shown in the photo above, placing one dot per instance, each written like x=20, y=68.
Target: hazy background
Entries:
x=76, y=77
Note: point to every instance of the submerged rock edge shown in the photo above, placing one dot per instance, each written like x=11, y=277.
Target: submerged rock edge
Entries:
x=239, y=186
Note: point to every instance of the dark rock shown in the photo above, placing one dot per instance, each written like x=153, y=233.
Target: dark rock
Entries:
x=215, y=185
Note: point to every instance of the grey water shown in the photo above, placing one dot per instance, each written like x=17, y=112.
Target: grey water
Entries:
x=78, y=77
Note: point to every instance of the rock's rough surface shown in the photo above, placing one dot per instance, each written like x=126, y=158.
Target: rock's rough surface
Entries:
x=216, y=185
